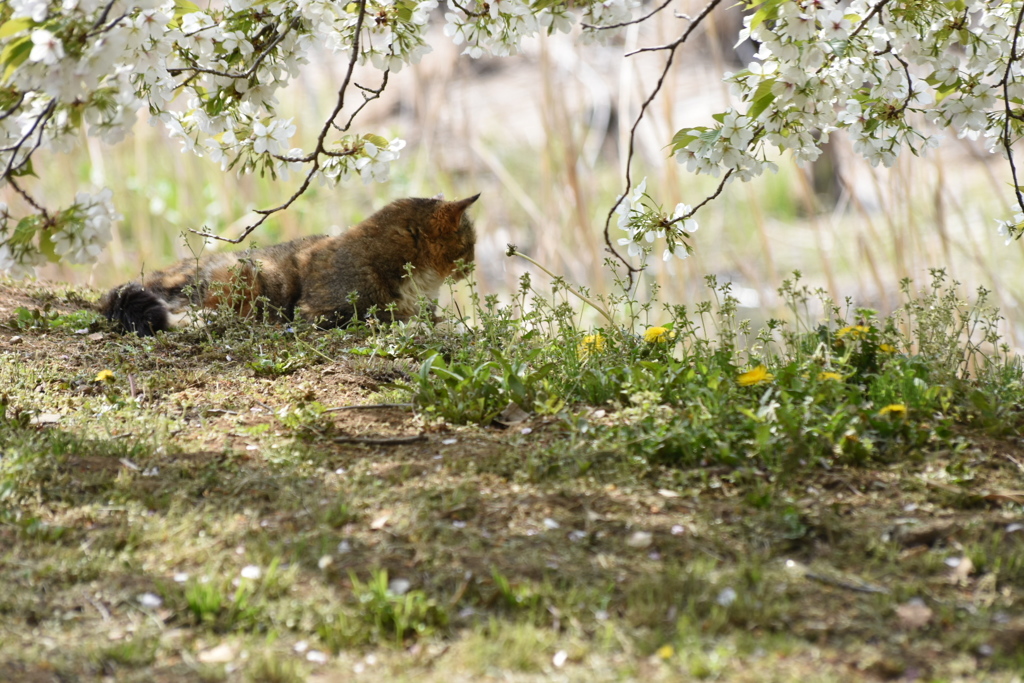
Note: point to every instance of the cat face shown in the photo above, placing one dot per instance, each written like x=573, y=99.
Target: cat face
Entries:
x=454, y=234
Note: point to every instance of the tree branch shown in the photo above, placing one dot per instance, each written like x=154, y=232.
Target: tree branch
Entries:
x=1007, y=144
x=642, y=19
x=318, y=150
x=636, y=123
x=292, y=25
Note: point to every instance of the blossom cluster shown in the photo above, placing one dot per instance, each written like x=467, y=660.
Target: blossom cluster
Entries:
x=78, y=234
x=876, y=69
x=211, y=76
x=643, y=220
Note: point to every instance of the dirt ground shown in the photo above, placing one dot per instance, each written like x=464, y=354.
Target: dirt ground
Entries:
x=194, y=518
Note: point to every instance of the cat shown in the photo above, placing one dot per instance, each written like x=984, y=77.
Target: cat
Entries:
x=328, y=281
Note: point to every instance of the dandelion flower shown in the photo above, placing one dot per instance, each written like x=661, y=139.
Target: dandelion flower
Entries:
x=854, y=331
x=887, y=348
x=657, y=335
x=758, y=375
x=590, y=344
x=104, y=376
x=823, y=376
x=893, y=409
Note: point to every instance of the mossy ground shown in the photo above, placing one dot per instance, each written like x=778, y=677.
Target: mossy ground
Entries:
x=199, y=515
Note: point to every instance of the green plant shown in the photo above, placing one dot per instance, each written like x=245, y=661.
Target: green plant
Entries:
x=396, y=616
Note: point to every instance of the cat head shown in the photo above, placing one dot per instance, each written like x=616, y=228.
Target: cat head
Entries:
x=452, y=234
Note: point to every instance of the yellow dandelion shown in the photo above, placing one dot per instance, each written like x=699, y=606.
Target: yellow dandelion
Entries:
x=893, y=409
x=657, y=335
x=666, y=651
x=823, y=376
x=887, y=348
x=104, y=376
x=758, y=375
x=854, y=331
x=590, y=344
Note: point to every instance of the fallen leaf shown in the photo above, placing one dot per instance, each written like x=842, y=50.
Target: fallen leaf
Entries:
x=221, y=654
x=914, y=614
x=512, y=414
x=962, y=571
x=45, y=419
x=381, y=520
x=639, y=539
x=95, y=336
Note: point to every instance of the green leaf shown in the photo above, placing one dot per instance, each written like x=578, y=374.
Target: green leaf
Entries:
x=377, y=140
x=711, y=136
x=47, y=246
x=758, y=18
x=24, y=231
x=15, y=54
x=15, y=26
x=683, y=137
x=762, y=97
x=24, y=170
x=183, y=7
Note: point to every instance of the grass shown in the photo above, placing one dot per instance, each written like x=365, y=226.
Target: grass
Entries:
x=832, y=496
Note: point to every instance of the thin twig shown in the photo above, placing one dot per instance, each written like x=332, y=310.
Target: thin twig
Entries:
x=1007, y=145
x=846, y=585
x=40, y=124
x=465, y=11
x=513, y=251
x=710, y=197
x=194, y=70
x=380, y=440
x=369, y=406
x=47, y=219
x=595, y=27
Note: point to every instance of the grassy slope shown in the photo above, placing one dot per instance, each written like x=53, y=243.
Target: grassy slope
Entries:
x=526, y=555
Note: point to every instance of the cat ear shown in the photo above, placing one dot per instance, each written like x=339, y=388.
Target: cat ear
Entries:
x=449, y=214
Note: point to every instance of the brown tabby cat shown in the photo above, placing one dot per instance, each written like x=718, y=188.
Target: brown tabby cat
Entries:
x=316, y=278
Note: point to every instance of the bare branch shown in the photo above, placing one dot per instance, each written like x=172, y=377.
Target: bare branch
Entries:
x=103, y=15
x=38, y=126
x=14, y=108
x=195, y=70
x=318, y=150
x=710, y=197
x=864, y=22
x=369, y=95
x=636, y=123
x=1007, y=143
x=47, y=219
x=465, y=11
x=642, y=19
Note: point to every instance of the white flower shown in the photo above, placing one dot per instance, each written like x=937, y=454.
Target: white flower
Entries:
x=835, y=26
x=46, y=47
x=688, y=224
x=634, y=247
x=272, y=138
x=251, y=572
x=33, y=9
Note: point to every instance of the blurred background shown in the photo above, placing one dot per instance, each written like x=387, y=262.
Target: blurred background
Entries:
x=543, y=135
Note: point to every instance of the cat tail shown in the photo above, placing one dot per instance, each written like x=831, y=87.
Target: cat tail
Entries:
x=136, y=309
